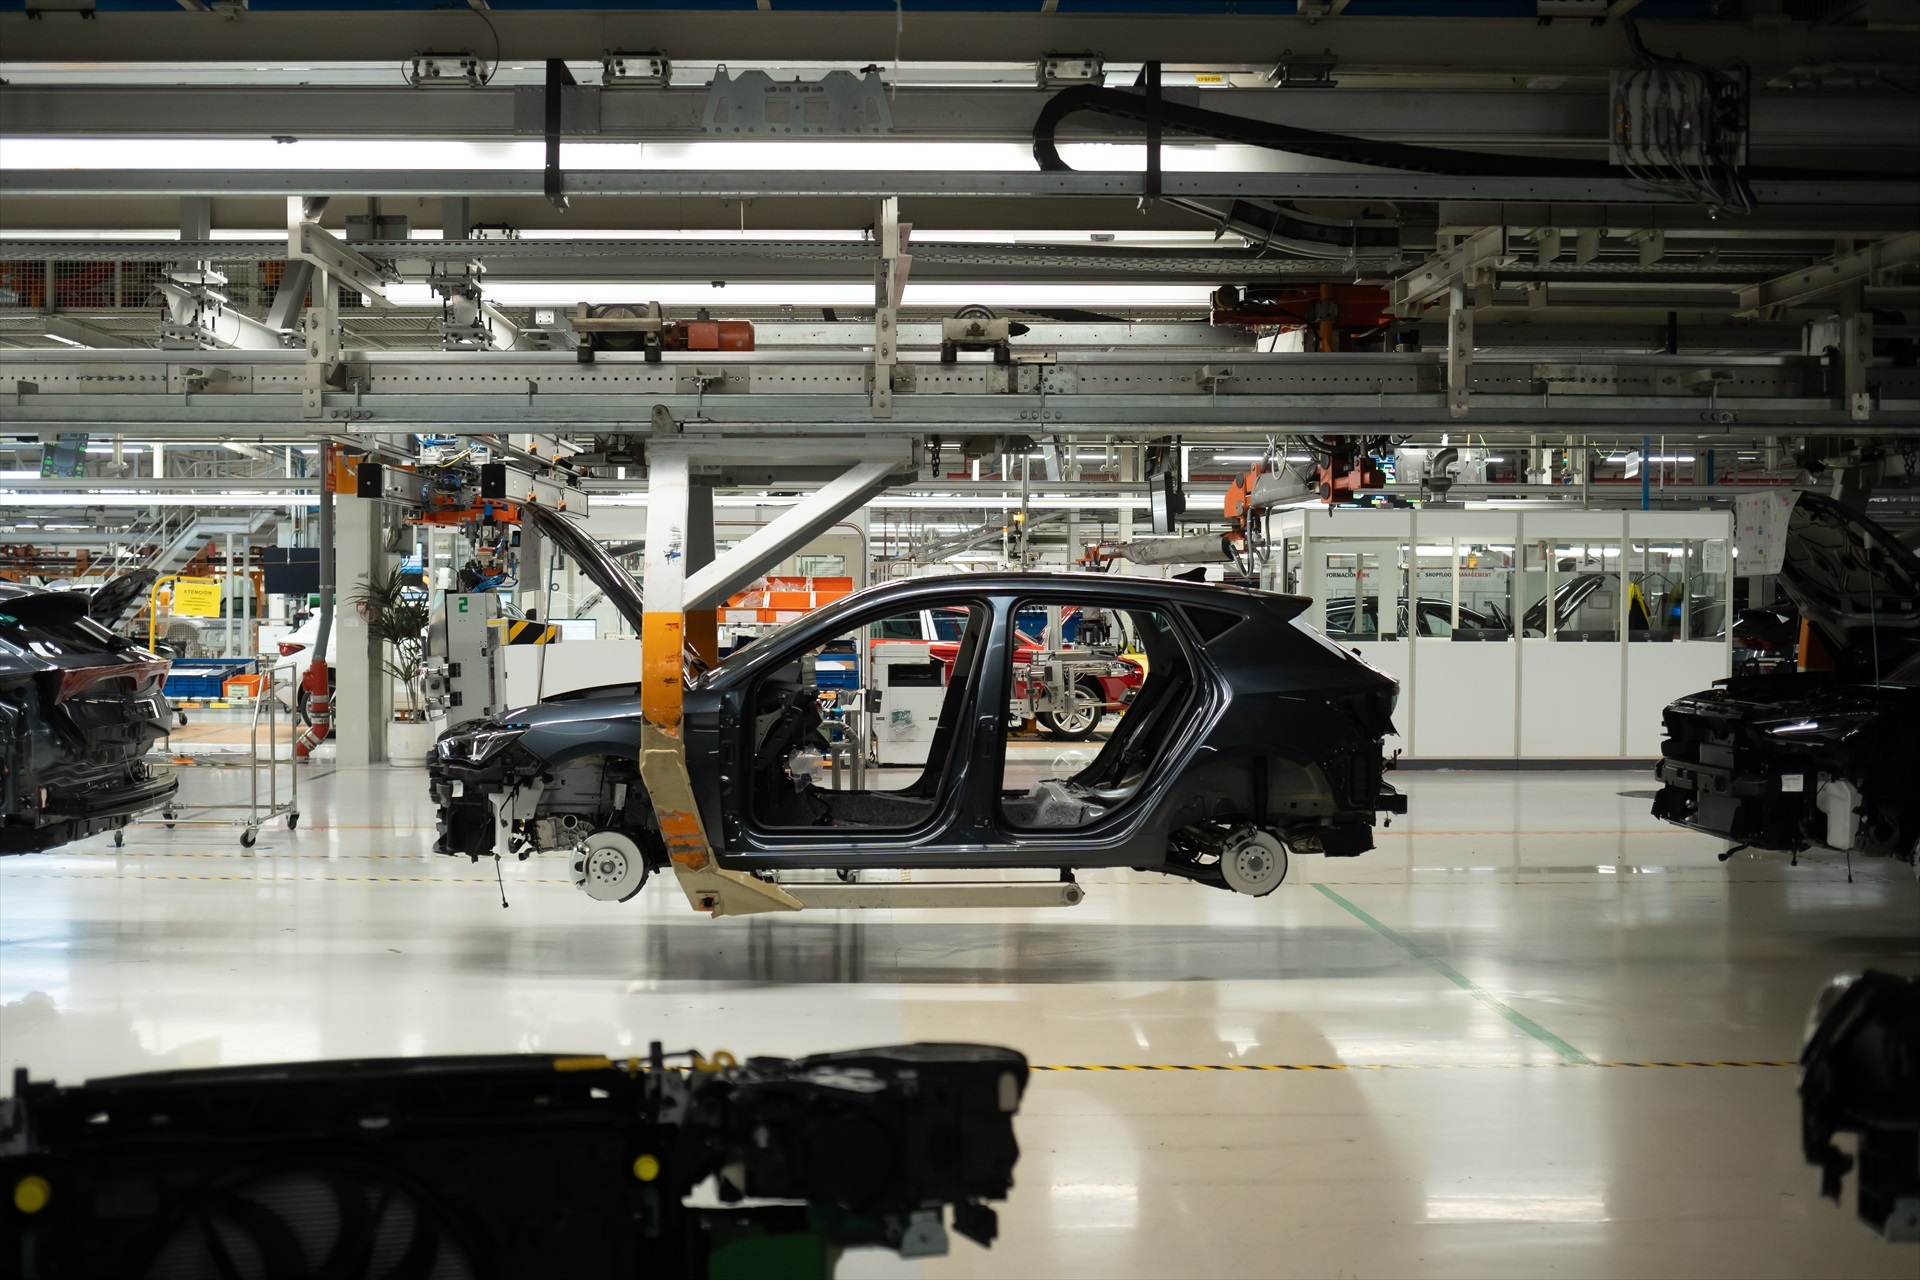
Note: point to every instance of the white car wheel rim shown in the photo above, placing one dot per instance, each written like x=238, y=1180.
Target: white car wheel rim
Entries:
x=1082, y=714
x=1255, y=866
x=609, y=866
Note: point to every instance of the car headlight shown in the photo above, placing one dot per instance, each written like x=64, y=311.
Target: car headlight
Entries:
x=1121, y=670
x=1830, y=727
x=477, y=746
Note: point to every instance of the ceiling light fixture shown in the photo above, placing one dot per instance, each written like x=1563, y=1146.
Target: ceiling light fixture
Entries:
x=812, y=294
x=248, y=155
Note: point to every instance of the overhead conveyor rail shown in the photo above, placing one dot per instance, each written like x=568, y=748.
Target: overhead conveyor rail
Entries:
x=1070, y=394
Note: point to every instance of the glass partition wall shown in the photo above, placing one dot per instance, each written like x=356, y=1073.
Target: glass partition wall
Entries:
x=1571, y=590
x=1565, y=607
x=1679, y=589
x=1463, y=590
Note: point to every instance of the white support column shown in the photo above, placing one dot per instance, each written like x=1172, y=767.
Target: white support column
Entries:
x=1856, y=355
x=1459, y=350
x=362, y=692
x=889, y=284
x=320, y=332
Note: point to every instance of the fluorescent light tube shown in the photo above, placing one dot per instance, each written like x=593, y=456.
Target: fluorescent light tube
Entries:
x=812, y=294
x=253, y=155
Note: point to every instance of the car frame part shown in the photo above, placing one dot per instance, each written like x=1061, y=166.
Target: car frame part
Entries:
x=510, y=1165
x=79, y=707
x=1799, y=758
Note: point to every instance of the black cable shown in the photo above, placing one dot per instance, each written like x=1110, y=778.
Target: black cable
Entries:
x=495, y=33
x=1124, y=105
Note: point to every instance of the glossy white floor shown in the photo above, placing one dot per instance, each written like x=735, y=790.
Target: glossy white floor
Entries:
x=1510, y=931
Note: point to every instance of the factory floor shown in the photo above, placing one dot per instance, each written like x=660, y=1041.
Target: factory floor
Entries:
x=1543, y=1034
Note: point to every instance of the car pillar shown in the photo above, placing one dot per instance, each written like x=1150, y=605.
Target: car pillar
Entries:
x=672, y=510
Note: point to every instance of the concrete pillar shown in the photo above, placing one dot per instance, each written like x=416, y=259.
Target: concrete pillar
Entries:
x=533, y=572
x=363, y=694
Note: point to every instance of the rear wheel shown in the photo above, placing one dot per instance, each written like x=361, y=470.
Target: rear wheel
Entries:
x=1085, y=705
x=1254, y=864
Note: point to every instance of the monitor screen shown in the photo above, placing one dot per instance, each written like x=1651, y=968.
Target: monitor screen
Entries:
x=577, y=628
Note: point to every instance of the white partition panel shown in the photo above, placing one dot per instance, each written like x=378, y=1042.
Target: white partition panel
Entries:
x=1396, y=659
x=1636, y=603
x=1656, y=675
x=529, y=672
x=1463, y=700
x=1570, y=696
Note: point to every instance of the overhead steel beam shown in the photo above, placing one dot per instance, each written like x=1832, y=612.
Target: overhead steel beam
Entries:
x=1413, y=45
x=278, y=416
x=1470, y=262
x=224, y=325
x=815, y=394
x=792, y=528
x=82, y=334
x=1823, y=279
x=992, y=531
x=308, y=241
x=733, y=184
x=685, y=259
x=290, y=298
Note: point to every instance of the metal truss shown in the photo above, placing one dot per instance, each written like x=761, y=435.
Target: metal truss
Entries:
x=1437, y=47
x=1068, y=394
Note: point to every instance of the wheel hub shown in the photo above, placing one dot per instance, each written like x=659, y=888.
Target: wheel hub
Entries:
x=1255, y=865
x=609, y=867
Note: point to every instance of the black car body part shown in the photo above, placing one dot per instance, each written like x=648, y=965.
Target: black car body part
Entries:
x=79, y=707
x=1831, y=757
x=498, y=1168
x=1860, y=1074
x=1252, y=732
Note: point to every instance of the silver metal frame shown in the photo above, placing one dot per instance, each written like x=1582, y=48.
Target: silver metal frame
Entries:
x=257, y=813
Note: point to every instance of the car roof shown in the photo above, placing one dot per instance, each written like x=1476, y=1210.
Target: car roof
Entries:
x=1108, y=584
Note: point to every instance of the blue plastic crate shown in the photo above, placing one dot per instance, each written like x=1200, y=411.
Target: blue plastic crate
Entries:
x=204, y=679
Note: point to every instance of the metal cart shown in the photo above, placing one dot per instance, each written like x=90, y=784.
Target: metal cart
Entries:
x=276, y=682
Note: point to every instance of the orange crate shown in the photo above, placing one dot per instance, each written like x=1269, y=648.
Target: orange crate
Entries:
x=241, y=688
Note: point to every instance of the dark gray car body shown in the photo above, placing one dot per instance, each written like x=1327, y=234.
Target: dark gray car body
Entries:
x=1280, y=729
x=79, y=707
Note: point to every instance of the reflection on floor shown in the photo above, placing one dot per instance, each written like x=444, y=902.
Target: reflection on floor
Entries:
x=1471, y=978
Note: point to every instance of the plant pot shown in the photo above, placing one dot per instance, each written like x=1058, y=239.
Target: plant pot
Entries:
x=409, y=741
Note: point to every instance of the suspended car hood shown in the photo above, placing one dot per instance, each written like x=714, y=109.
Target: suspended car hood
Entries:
x=605, y=573
x=1850, y=577
x=110, y=604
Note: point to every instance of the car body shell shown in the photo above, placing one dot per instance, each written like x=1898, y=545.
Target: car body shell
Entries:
x=1281, y=729
x=1794, y=759
x=79, y=708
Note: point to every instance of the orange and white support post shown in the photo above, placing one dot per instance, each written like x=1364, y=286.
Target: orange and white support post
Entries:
x=671, y=512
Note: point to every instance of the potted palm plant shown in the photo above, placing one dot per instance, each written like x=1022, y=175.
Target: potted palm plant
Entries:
x=396, y=614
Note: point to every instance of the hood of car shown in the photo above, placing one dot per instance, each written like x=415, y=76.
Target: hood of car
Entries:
x=1849, y=576
x=605, y=572
x=110, y=604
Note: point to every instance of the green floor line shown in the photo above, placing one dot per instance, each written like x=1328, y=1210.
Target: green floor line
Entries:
x=1460, y=980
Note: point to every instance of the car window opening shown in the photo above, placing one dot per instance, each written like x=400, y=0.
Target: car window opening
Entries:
x=1129, y=663
x=900, y=686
